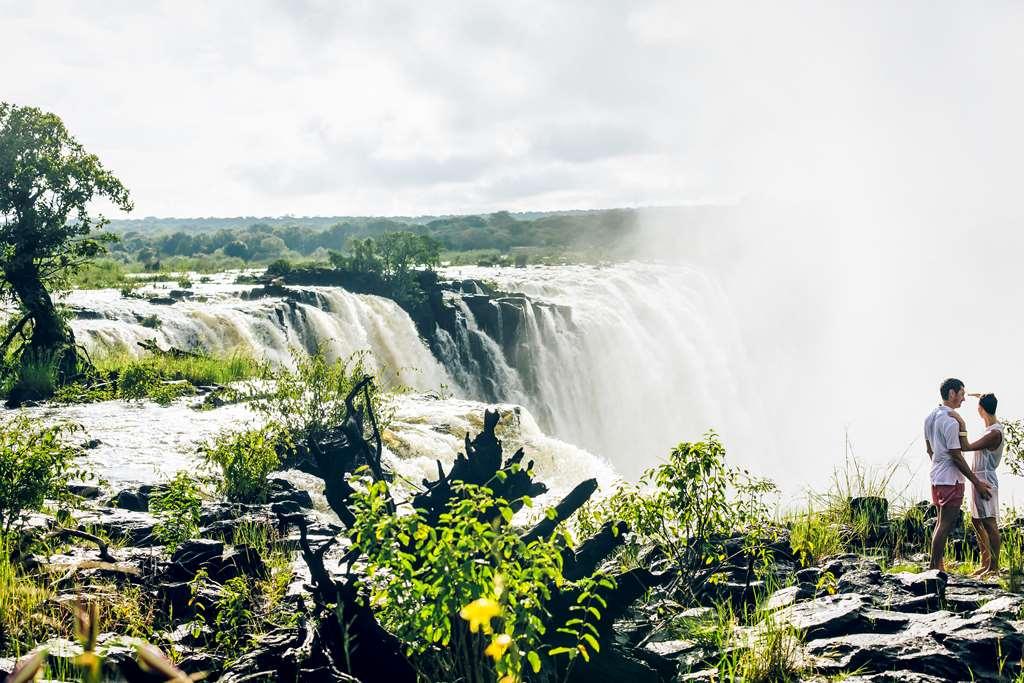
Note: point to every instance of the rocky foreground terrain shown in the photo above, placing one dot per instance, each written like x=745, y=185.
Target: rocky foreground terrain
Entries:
x=851, y=619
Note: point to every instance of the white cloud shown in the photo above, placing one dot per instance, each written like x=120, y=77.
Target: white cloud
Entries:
x=379, y=107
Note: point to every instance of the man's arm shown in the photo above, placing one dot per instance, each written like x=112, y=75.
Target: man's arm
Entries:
x=950, y=435
x=983, y=488
x=928, y=445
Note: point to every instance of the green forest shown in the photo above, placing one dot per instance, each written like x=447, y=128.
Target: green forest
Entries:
x=490, y=238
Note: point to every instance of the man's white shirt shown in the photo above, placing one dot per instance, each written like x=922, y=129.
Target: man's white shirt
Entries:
x=943, y=433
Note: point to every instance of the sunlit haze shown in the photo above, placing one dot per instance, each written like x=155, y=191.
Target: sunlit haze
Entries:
x=865, y=159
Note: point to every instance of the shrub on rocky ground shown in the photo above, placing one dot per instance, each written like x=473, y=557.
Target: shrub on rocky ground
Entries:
x=35, y=463
x=245, y=459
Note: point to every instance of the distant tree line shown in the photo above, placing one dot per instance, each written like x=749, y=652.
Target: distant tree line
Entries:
x=283, y=238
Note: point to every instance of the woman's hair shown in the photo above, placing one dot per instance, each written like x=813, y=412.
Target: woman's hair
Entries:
x=988, y=402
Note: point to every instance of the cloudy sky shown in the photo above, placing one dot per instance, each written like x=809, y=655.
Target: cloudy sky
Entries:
x=328, y=107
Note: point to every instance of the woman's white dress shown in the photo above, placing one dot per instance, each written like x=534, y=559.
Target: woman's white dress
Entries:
x=985, y=463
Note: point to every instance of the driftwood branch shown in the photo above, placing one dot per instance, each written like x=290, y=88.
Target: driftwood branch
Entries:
x=103, y=546
x=568, y=505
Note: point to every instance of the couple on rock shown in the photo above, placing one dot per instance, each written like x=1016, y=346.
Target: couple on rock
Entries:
x=945, y=436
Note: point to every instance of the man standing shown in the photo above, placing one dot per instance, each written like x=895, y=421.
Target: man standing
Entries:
x=949, y=469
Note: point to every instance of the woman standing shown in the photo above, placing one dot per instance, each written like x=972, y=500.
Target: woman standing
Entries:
x=988, y=451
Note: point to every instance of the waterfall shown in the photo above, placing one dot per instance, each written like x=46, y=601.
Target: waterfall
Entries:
x=625, y=361
x=218, y=320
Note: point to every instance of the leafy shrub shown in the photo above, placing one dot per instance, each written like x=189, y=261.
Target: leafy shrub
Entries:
x=178, y=508
x=310, y=400
x=1013, y=432
x=245, y=459
x=424, y=579
x=35, y=463
x=813, y=536
x=247, y=607
x=689, y=507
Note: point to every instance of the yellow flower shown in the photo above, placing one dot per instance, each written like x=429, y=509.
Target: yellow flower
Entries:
x=509, y=679
x=479, y=614
x=498, y=646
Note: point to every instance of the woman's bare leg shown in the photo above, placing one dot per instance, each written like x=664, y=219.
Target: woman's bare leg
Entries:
x=994, y=543
x=983, y=546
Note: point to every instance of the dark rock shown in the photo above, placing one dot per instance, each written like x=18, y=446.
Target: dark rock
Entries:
x=198, y=553
x=178, y=598
x=297, y=497
x=881, y=621
x=895, y=677
x=917, y=604
x=809, y=576
x=84, y=490
x=226, y=529
x=128, y=526
x=784, y=597
x=241, y=560
x=285, y=507
x=201, y=663
x=136, y=499
x=219, y=511
x=613, y=665
x=841, y=564
x=824, y=617
x=90, y=444
x=863, y=579
x=923, y=583
x=669, y=657
x=1005, y=605
x=967, y=599
x=937, y=644
x=181, y=294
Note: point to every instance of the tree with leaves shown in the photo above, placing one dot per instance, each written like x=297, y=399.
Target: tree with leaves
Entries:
x=47, y=183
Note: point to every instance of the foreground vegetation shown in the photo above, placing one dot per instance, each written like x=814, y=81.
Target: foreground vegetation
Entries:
x=473, y=580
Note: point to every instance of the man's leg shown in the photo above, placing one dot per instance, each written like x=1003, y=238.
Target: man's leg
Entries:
x=948, y=516
x=994, y=541
x=984, y=545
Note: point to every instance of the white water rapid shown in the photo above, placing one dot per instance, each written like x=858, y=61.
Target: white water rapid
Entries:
x=633, y=359
x=216, y=319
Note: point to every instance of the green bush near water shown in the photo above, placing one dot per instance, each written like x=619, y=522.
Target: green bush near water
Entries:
x=35, y=463
x=178, y=508
x=245, y=459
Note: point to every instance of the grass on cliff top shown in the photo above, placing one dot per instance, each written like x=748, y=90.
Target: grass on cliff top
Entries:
x=197, y=370
x=158, y=377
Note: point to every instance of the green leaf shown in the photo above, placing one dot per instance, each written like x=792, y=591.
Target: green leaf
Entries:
x=592, y=641
x=534, y=660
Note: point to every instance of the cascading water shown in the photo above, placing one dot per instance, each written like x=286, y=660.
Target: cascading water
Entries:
x=628, y=361
x=623, y=361
x=218, y=320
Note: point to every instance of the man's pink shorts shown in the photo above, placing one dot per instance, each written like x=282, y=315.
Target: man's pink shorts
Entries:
x=948, y=495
